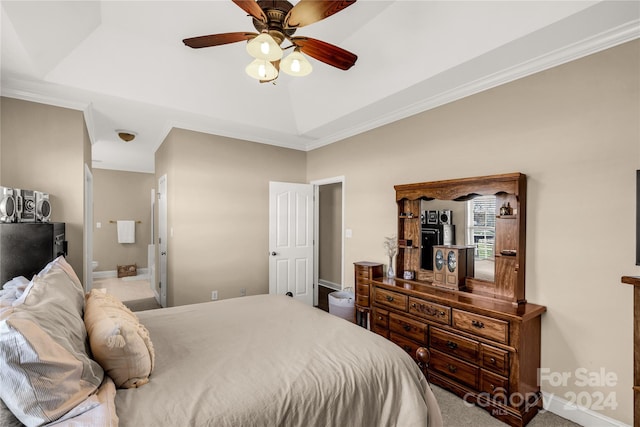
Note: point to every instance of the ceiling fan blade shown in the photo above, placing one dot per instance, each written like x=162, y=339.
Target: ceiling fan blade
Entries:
x=325, y=52
x=252, y=8
x=307, y=12
x=217, y=39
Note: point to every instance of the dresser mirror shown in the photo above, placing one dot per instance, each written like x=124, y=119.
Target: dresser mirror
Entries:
x=470, y=223
x=487, y=213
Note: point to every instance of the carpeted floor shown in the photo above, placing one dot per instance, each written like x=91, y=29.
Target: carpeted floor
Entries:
x=455, y=412
x=134, y=291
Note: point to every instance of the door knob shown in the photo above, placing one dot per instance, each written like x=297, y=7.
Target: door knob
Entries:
x=273, y=254
x=163, y=253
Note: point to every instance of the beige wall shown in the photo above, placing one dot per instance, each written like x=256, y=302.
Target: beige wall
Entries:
x=330, y=230
x=218, y=210
x=574, y=130
x=44, y=148
x=121, y=195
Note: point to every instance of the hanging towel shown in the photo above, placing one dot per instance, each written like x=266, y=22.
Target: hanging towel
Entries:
x=126, y=231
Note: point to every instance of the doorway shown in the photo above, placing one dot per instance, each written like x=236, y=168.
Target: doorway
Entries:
x=329, y=238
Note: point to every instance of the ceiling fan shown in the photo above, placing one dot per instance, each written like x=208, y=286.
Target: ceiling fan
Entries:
x=276, y=21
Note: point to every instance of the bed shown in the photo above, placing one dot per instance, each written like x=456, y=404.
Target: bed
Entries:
x=262, y=360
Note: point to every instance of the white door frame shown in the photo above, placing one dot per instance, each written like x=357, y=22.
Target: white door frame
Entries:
x=316, y=231
x=163, y=237
x=88, y=228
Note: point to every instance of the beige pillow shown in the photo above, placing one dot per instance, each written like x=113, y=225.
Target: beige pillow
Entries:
x=119, y=342
x=44, y=363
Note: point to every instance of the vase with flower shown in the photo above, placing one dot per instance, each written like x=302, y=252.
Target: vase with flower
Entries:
x=391, y=247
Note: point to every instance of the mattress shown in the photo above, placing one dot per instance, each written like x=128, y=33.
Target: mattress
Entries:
x=270, y=360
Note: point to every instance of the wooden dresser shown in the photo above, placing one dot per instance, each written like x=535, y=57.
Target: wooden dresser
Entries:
x=486, y=351
x=364, y=272
x=635, y=282
x=480, y=336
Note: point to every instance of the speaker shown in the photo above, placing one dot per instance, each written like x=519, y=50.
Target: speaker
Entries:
x=43, y=207
x=445, y=217
x=7, y=205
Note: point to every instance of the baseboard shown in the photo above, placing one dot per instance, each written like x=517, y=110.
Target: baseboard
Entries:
x=578, y=414
x=114, y=273
x=330, y=285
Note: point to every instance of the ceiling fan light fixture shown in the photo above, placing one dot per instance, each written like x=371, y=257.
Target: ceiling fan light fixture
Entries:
x=264, y=47
x=261, y=69
x=296, y=64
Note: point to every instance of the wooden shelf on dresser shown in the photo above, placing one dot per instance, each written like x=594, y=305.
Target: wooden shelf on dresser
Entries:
x=364, y=272
x=482, y=349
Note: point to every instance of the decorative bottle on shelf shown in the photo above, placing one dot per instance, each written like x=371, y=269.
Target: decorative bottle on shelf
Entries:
x=390, y=273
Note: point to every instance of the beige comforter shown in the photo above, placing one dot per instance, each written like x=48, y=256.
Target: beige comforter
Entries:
x=272, y=361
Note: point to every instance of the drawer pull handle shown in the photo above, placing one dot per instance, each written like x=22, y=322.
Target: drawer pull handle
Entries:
x=477, y=324
x=492, y=387
x=493, y=360
x=452, y=345
x=452, y=368
x=379, y=317
x=389, y=298
x=414, y=305
x=406, y=327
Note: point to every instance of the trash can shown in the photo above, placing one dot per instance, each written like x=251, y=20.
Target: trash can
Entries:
x=342, y=304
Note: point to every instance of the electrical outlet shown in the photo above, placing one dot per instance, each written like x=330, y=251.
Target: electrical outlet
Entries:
x=243, y=292
x=214, y=295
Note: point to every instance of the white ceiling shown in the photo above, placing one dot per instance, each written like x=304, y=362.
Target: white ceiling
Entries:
x=124, y=64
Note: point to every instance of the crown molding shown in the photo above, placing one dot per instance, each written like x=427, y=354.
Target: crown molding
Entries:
x=622, y=34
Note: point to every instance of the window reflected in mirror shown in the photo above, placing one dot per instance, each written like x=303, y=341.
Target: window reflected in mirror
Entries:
x=481, y=232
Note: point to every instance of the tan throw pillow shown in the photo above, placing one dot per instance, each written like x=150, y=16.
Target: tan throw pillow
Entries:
x=119, y=342
x=45, y=369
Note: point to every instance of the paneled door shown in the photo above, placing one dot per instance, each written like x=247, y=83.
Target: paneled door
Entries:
x=291, y=240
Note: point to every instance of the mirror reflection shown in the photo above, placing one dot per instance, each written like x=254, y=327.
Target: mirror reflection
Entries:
x=472, y=222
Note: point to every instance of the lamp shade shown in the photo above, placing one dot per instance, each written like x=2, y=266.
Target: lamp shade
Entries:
x=296, y=64
x=261, y=69
x=264, y=47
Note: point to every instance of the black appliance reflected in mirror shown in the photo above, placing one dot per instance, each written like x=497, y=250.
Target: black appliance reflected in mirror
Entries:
x=433, y=235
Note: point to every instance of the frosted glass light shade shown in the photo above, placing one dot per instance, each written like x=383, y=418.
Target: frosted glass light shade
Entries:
x=264, y=47
x=296, y=64
x=261, y=70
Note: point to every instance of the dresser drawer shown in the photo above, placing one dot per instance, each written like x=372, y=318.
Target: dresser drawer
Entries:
x=493, y=329
x=428, y=310
x=495, y=359
x=454, y=345
x=362, y=273
x=462, y=372
x=362, y=300
x=391, y=299
x=409, y=328
x=380, y=318
x=362, y=289
x=493, y=384
x=406, y=344
x=380, y=330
